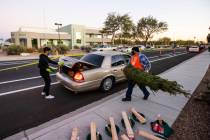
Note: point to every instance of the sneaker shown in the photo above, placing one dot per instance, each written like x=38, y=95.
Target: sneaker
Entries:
x=43, y=93
x=126, y=99
x=145, y=97
x=49, y=97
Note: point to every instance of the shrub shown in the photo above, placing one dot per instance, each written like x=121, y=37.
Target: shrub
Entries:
x=15, y=50
x=76, y=47
x=87, y=48
x=62, y=49
x=30, y=50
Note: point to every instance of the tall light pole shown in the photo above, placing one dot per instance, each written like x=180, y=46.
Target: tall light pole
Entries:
x=59, y=41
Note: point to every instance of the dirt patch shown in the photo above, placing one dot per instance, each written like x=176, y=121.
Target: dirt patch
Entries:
x=193, y=123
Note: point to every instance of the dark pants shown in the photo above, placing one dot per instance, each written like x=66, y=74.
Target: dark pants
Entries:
x=131, y=85
x=46, y=76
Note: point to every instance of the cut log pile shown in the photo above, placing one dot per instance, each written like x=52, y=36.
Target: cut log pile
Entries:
x=128, y=135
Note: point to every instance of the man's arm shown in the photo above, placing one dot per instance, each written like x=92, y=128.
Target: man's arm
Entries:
x=52, y=62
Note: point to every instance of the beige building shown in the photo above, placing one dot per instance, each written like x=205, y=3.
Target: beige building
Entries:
x=70, y=35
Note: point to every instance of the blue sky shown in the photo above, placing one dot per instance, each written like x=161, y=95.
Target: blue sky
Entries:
x=186, y=18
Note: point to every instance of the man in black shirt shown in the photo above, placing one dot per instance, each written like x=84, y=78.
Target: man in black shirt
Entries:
x=45, y=71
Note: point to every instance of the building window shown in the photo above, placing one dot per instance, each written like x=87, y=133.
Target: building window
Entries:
x=23, y=41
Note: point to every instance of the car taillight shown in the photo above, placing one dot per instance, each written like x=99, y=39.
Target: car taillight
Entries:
x=78, y=77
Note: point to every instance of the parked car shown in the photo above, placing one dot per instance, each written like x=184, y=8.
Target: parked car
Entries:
x=142, y=47
x=92, y=71
x=125, y=49
x=194, y=49
x=104, y=48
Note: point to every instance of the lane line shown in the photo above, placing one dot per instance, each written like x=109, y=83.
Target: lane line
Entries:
x=167, y=57
x=24, y=79
x=30, y=88
x=25, y=89
x=14, y=63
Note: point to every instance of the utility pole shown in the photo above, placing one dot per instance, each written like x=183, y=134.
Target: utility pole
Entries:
x=59, y=40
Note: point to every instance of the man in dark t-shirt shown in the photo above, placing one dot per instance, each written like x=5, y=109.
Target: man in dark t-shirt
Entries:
x=45, y=71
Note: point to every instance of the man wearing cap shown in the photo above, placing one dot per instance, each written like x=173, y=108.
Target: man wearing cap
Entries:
x=138, y=61
x=45, y=71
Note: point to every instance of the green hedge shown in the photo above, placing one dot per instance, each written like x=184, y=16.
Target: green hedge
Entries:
x=15, y=50
x=62, y=49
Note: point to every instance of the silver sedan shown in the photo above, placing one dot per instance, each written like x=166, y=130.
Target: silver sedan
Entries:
x=92, y=71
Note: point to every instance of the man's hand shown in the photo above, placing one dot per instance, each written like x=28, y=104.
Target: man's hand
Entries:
x=60, y=63
x=49, y=70
x=147, y=71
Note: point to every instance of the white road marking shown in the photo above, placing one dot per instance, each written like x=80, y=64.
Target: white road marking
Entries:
x=30, y=88
x=167, y=57
x=24, y=79
x=25, y=89
x=14, y=63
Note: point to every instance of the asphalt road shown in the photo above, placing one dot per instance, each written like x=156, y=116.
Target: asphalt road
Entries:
x=27, y=109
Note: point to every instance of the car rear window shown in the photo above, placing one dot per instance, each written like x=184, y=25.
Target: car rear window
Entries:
x=93, y=59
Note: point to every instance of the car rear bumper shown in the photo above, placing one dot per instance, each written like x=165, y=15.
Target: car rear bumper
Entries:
x=194, y=50
x=75, y=86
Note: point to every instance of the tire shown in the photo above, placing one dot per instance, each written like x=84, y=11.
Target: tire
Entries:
x=107, y=84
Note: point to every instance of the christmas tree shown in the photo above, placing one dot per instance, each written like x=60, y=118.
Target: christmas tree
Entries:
x=154, y=82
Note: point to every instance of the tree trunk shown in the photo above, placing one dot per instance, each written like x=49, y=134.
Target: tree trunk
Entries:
x=113, y=37
x=145, y=42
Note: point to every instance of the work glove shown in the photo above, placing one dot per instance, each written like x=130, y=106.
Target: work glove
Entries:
x=51, y=70
x=61, y=63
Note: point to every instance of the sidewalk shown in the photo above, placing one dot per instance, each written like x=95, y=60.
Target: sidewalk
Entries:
x=188, y=73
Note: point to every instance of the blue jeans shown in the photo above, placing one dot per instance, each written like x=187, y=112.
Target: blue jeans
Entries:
x=131, y=85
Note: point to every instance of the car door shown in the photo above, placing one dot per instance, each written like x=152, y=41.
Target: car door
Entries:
x=117, y=66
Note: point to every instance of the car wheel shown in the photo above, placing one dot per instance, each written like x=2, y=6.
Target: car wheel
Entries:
x=107, y=84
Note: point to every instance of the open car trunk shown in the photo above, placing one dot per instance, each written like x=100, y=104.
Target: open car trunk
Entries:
x=72, y=65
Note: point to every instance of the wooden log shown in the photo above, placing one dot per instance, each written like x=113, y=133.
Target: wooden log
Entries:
x=138, y=116
x=113, y=129
x=147, y=135
x=124, y=137
x=74, y=134
x=129, y=130
x=93, y=131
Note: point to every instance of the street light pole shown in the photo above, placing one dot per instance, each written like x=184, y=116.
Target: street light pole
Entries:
x=59, y=41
